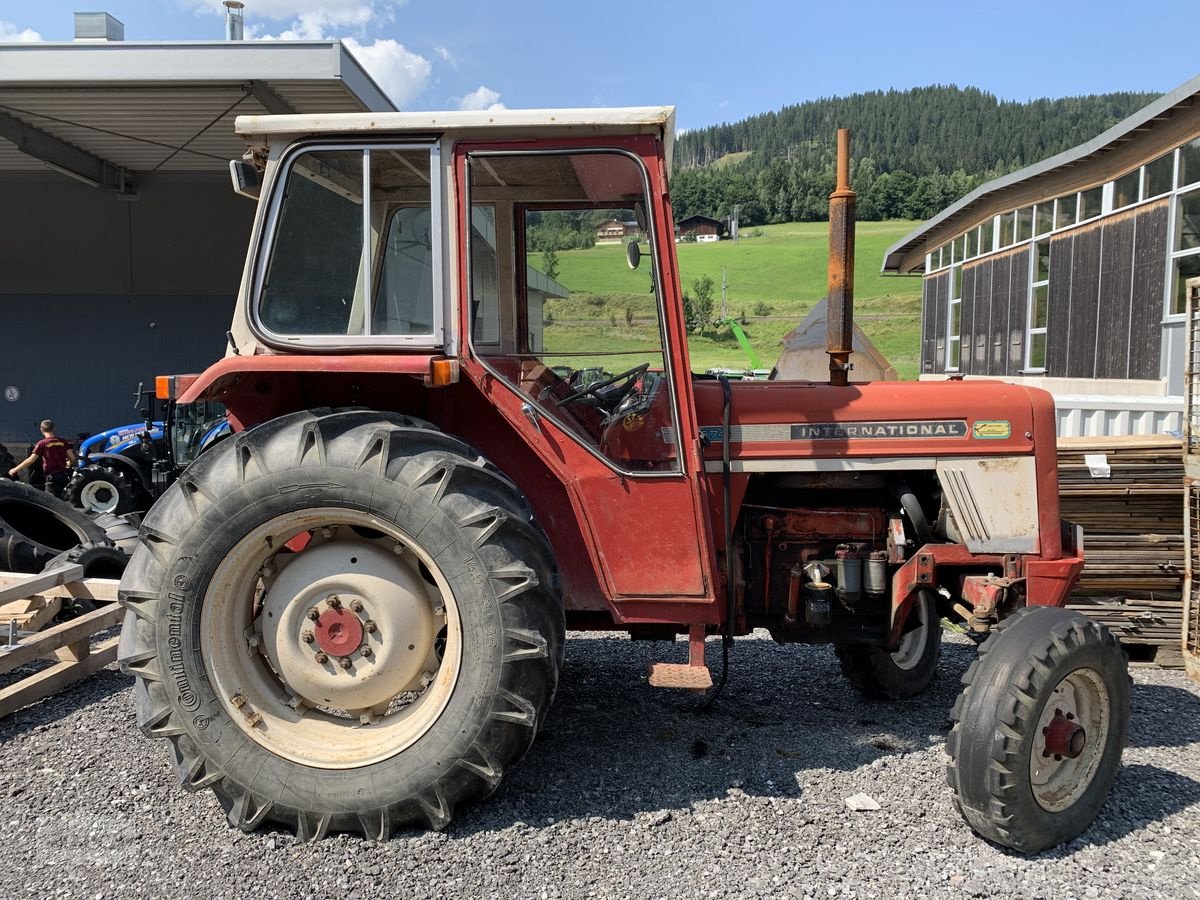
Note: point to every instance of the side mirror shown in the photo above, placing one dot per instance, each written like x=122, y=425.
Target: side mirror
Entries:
x=633, y=254
x=245, y=178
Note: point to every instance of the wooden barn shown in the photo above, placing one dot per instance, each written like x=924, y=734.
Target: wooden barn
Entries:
x=1072, y=269
x=699, y=228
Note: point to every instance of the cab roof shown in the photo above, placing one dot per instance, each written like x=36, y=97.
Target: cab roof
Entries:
x=522, y=123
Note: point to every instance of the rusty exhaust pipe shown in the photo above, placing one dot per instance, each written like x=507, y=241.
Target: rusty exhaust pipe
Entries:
x=839, y=333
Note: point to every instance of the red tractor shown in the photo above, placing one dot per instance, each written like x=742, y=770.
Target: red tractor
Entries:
x=351, y=614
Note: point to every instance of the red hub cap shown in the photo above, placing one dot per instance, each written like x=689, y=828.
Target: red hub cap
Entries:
x=339, y=632
x=1064, y=738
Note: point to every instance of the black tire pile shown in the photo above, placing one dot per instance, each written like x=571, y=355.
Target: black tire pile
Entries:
x=39, y=532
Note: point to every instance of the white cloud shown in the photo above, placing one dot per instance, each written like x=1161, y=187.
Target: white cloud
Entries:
x=447, y=57
x=10, y=32
x=482, y=98
x=402, y=74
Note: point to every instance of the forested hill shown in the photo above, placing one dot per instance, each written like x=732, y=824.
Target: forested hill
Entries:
x=915, y=151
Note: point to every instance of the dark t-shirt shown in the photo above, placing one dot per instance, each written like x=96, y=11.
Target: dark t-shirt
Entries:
x=53, y=453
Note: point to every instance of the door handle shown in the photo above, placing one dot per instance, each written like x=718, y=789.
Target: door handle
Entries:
x=531, y=414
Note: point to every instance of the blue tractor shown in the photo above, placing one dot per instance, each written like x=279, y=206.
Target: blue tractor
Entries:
x=125, y=469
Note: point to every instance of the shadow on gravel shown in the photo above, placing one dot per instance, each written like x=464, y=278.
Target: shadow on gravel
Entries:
x=93, y=689
x=614, y=747
x=1163, y=716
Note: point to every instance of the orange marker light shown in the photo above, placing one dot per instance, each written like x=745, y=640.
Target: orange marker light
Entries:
x=442, y=371
x=162, y=387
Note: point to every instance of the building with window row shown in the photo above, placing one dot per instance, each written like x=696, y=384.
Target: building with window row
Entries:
x=1075, y=268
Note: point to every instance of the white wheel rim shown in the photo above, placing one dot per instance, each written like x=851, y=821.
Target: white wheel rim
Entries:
x=272, y=683
x=1080, y=701
x=99, y=496
x=912, y=643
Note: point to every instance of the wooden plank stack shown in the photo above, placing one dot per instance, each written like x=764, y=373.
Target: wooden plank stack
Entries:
x=29, y=603
x=1133, y=536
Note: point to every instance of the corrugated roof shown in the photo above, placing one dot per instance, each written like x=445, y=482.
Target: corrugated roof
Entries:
x=1121, y=132
x=170, y=107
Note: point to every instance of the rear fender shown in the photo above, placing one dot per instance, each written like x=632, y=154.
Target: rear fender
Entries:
x=123, y=463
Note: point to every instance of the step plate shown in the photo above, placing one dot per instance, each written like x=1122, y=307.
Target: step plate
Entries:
x=680, y=675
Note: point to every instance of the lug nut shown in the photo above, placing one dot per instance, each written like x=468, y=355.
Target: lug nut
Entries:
x=366, y=652
x=321, y=657
x=308, y=637
x=314, y=614
x=370, y=626
x=356, y=605
x=334, y=602
x=344, y=662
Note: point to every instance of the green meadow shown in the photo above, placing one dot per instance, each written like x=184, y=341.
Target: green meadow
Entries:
x=775, y=274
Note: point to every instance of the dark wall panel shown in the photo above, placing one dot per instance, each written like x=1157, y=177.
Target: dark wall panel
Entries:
x=968, y=320
x=1112, y=315
x=1085, y=294
x=1146, y=308
x=1018, y=304
x=1058, y=315
x=79, y=358
x=998, y=329
x=928, y=304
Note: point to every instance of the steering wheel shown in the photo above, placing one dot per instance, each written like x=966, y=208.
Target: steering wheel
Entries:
x=596, y=386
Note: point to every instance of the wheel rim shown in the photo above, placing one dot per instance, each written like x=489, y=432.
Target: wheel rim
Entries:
x=338, y=648
x=913, y=642
x=1070, y=739
x=99, y=496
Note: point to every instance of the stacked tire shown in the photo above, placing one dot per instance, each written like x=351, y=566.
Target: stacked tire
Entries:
x=39, y=533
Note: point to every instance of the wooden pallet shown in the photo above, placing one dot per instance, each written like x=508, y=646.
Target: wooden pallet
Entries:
x=1133, y=538
x=28, y=603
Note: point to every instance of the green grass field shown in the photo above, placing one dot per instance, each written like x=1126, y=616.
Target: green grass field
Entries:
x=782, y=266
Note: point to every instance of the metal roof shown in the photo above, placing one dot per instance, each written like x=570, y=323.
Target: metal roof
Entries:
x=533, y=122
x=1123, y=131
x=104, y=112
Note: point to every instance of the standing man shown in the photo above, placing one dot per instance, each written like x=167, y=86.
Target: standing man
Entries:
x=57, y=456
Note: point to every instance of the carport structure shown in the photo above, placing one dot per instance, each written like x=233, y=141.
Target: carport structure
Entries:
x=121, y=242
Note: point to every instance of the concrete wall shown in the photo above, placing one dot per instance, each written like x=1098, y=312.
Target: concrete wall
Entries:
x=98, y=293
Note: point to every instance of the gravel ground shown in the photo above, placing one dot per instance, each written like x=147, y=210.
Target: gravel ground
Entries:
x=626, y=793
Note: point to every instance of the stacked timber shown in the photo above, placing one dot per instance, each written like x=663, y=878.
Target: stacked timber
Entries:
x=1132, y=520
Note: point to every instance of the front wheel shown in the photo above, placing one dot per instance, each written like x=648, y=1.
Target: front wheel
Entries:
x=342, y=621
x=908, y=670
x=1039, y=729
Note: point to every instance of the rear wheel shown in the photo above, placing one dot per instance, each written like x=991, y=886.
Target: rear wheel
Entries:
x=908, y=670
x=1039, y=729
x=35, y=527
x=342, y=622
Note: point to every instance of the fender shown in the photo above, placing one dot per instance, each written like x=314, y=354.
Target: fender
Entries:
x=125, y=465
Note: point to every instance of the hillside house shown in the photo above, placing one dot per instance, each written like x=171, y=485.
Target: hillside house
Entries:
x=699, y=228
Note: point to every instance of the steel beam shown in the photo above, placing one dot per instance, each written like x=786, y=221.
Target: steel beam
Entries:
x=65, y=157
x=270, y=101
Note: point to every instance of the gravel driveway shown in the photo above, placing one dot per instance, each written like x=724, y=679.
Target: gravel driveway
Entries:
x=626, y=793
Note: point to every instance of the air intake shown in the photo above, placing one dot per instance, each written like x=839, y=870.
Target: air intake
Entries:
x=98, y=26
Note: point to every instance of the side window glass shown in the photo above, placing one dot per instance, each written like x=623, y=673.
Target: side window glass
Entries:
x=311, y=284
x=577, y=331
x=356, y=247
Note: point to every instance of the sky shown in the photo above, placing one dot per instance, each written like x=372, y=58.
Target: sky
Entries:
x=715, y=61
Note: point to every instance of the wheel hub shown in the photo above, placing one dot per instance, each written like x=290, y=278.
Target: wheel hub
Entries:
x=1064, y=738
x=339, y=632
x=348, y=625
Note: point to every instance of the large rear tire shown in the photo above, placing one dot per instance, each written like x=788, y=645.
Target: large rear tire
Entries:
x=342, y=622
x=1039, y=729
x=908, y=670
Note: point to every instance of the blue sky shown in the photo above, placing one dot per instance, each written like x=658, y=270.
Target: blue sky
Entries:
x=716, y=61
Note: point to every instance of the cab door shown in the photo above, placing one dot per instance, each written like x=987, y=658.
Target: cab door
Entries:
x=586, y=357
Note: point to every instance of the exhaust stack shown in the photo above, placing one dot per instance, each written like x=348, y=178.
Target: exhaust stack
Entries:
x=839, y=340
x=234, y=20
